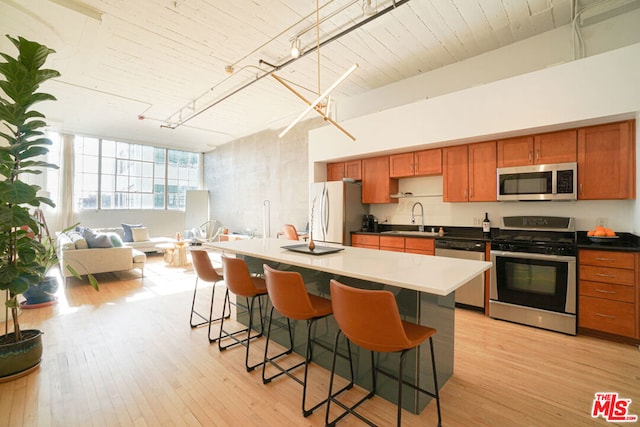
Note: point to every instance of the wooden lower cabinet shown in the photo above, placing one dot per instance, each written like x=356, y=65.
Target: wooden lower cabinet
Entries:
x=392, y=243
x=419, y=245
x=608, y=292
x=414, y=245
x=369, y=241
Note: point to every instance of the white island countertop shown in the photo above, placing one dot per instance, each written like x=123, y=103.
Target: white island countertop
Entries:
x=431, y=274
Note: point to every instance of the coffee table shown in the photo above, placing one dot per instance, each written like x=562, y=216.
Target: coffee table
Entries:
x=175, y=253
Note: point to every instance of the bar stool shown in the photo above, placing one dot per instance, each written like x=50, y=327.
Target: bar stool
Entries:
x=207, y=273
x=290, y=298
x=240, y=282
x=371, y=320
x=290, y=232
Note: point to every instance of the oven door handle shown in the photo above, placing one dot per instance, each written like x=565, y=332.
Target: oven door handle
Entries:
x=527, y=255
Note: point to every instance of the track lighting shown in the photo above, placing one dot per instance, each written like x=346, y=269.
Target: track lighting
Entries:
x=295, y=48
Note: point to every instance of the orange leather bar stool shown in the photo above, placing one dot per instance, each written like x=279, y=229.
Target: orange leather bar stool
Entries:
x=240, y=282
x=207, y=273
x=290, y=298
x=371, y=320
x=290, y=232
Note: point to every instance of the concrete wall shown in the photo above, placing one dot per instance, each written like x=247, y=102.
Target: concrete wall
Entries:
x=258, y=183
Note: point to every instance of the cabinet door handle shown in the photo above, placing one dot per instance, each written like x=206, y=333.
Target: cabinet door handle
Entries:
x=605, y=259
x=605, y=315
x=580, y=188
x=537, y=155
x=606, y=275
x=471, y=193
x=530, y=156
x=602, y=291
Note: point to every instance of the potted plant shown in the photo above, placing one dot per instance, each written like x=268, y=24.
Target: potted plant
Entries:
x=21, y=254
x=43, y=292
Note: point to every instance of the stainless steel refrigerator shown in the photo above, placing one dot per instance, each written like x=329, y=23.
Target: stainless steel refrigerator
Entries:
x=337, y=210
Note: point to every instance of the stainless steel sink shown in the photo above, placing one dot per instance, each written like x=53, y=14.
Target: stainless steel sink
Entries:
x=412, y=233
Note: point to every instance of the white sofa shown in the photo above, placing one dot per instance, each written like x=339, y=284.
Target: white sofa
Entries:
x=72, y=251
x=147, y=245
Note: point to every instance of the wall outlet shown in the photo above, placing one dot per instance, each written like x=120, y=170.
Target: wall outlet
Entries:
x=477, y=220
x=601, y=221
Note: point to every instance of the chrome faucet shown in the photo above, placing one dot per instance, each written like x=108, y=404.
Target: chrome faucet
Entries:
x=413, y=216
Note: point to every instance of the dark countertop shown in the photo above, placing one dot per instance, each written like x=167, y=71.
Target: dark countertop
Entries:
x=451, y=233
x=626, y=242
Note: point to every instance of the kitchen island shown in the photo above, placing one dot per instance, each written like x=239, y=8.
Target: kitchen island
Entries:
x=424, y=287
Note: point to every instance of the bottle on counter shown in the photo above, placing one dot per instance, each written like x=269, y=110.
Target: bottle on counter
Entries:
x=486, y=226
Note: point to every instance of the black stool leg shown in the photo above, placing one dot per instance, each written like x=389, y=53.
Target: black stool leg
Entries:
x=245, y=341
x=271, y=360
x=435, y=380
x=211, y=320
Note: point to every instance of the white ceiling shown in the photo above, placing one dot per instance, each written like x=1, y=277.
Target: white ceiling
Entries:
x=129, y=67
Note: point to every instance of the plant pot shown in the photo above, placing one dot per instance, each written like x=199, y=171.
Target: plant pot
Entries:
x=43, y=292
x=20, y=358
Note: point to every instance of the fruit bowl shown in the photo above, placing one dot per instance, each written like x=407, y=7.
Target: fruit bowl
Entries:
x=603, y=239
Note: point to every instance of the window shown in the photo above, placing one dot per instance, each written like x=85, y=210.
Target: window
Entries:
x=118, y=175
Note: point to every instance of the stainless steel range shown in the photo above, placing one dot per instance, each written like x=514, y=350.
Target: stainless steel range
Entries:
x=533, y=278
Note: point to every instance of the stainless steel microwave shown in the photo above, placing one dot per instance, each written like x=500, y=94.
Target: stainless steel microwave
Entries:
x=538, y=182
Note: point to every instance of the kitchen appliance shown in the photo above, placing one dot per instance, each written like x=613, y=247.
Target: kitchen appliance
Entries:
x=533, y=277
x=368, y=222
x=470, y=295
x=538, y=182
x=336, y=210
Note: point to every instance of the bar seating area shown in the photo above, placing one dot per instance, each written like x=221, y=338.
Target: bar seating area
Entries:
x=367, y=318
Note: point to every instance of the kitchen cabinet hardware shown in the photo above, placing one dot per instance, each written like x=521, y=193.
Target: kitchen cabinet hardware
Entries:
x=608, y=316
x=605, y=259
x=602, y=291
x=606, y=275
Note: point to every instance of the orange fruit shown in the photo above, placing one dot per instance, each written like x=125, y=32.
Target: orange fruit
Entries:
x=590, y=232
x=599, y=233
x=609, y=232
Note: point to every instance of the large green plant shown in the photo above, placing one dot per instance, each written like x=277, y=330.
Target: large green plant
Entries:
x=20, y=254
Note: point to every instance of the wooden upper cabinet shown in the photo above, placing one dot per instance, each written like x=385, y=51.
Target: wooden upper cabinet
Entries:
x=353, y=169
x=418, y=163
x=482, y=172
x=377, y=185
x=455, y=174
x=515, y=151
x=606, y=161
x=401, y=165
x=335, y=171
x=428, y=162
x=338, y=170
x=554, y=147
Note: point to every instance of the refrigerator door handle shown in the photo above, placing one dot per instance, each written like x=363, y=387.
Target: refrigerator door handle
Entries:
x=325, y=212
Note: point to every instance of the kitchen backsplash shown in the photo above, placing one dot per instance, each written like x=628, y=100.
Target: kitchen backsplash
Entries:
x=618, y=214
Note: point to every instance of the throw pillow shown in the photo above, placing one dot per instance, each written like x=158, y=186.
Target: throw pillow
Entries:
x=128, y=237
x=78, y=239
x=140, y=234
x=116, y=240
x=97, y=240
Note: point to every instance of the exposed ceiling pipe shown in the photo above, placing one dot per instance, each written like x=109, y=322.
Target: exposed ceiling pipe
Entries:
x=275, y=68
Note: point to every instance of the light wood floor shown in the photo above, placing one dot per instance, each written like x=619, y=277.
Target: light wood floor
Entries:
x=127, y=356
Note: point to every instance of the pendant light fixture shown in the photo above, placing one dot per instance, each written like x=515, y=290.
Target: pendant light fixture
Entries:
x=317, y=104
